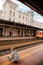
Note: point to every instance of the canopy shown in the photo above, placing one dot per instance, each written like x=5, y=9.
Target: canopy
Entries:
x=36, y=5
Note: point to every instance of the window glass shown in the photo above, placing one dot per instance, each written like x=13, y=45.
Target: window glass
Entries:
x=10, y=12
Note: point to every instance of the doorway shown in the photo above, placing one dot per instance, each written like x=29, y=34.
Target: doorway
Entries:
x=21, y=33
x=1, y=32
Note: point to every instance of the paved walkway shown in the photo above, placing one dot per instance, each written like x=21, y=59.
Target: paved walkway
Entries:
x=30, y=56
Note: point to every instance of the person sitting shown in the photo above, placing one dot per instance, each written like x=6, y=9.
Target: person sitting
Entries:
x=14, y=56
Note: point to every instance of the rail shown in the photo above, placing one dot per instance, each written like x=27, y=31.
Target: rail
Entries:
x=5, y=49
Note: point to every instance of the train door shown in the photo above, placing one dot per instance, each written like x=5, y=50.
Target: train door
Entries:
x=42, y=34
x=1, y=32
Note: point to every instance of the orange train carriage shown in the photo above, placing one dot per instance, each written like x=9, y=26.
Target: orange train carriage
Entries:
x=39, y=34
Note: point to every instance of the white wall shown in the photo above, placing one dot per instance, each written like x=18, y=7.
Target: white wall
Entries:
x=13, y=7
x=1, y=12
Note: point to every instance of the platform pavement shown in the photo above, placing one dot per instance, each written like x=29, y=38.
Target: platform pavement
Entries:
x=26, y=56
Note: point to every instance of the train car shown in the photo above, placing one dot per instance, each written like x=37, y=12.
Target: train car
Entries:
x=39, y=34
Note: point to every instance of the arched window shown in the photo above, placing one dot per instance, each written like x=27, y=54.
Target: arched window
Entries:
x=9, y=19
x=10, y=12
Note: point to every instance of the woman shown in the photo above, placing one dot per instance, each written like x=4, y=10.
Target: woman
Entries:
x=14, y=56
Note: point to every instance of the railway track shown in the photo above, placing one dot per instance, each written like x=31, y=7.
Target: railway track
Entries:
x=7, y=41
x=27, y=46
x=15, y=45
x=6, y=49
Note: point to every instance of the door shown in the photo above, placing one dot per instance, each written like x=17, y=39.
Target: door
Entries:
x=21, y=33
x=1, y=31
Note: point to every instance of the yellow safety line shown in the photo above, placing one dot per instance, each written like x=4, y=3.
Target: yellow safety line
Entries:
x=7, y=63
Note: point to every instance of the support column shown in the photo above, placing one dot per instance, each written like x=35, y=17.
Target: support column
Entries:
x=3, y=31
x=29, y=33
x=23, y=33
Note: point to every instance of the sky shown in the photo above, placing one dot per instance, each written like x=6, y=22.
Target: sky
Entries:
x=23, y=8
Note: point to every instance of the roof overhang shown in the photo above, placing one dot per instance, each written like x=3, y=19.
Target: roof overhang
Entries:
x=36, y=5
x=18, y=25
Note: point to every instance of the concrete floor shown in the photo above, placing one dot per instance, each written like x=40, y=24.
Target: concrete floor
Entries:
x=30, y=56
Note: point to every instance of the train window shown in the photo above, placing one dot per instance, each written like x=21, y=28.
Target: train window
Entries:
x=40, y=33
x=36, y=32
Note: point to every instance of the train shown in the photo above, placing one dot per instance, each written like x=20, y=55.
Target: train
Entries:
x=39, y=34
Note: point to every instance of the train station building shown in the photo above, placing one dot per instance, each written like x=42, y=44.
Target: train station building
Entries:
x=16, y=23
x=14, y=29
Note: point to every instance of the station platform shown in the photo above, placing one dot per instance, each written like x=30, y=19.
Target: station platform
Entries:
x=15, y=38
x=30, y=56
